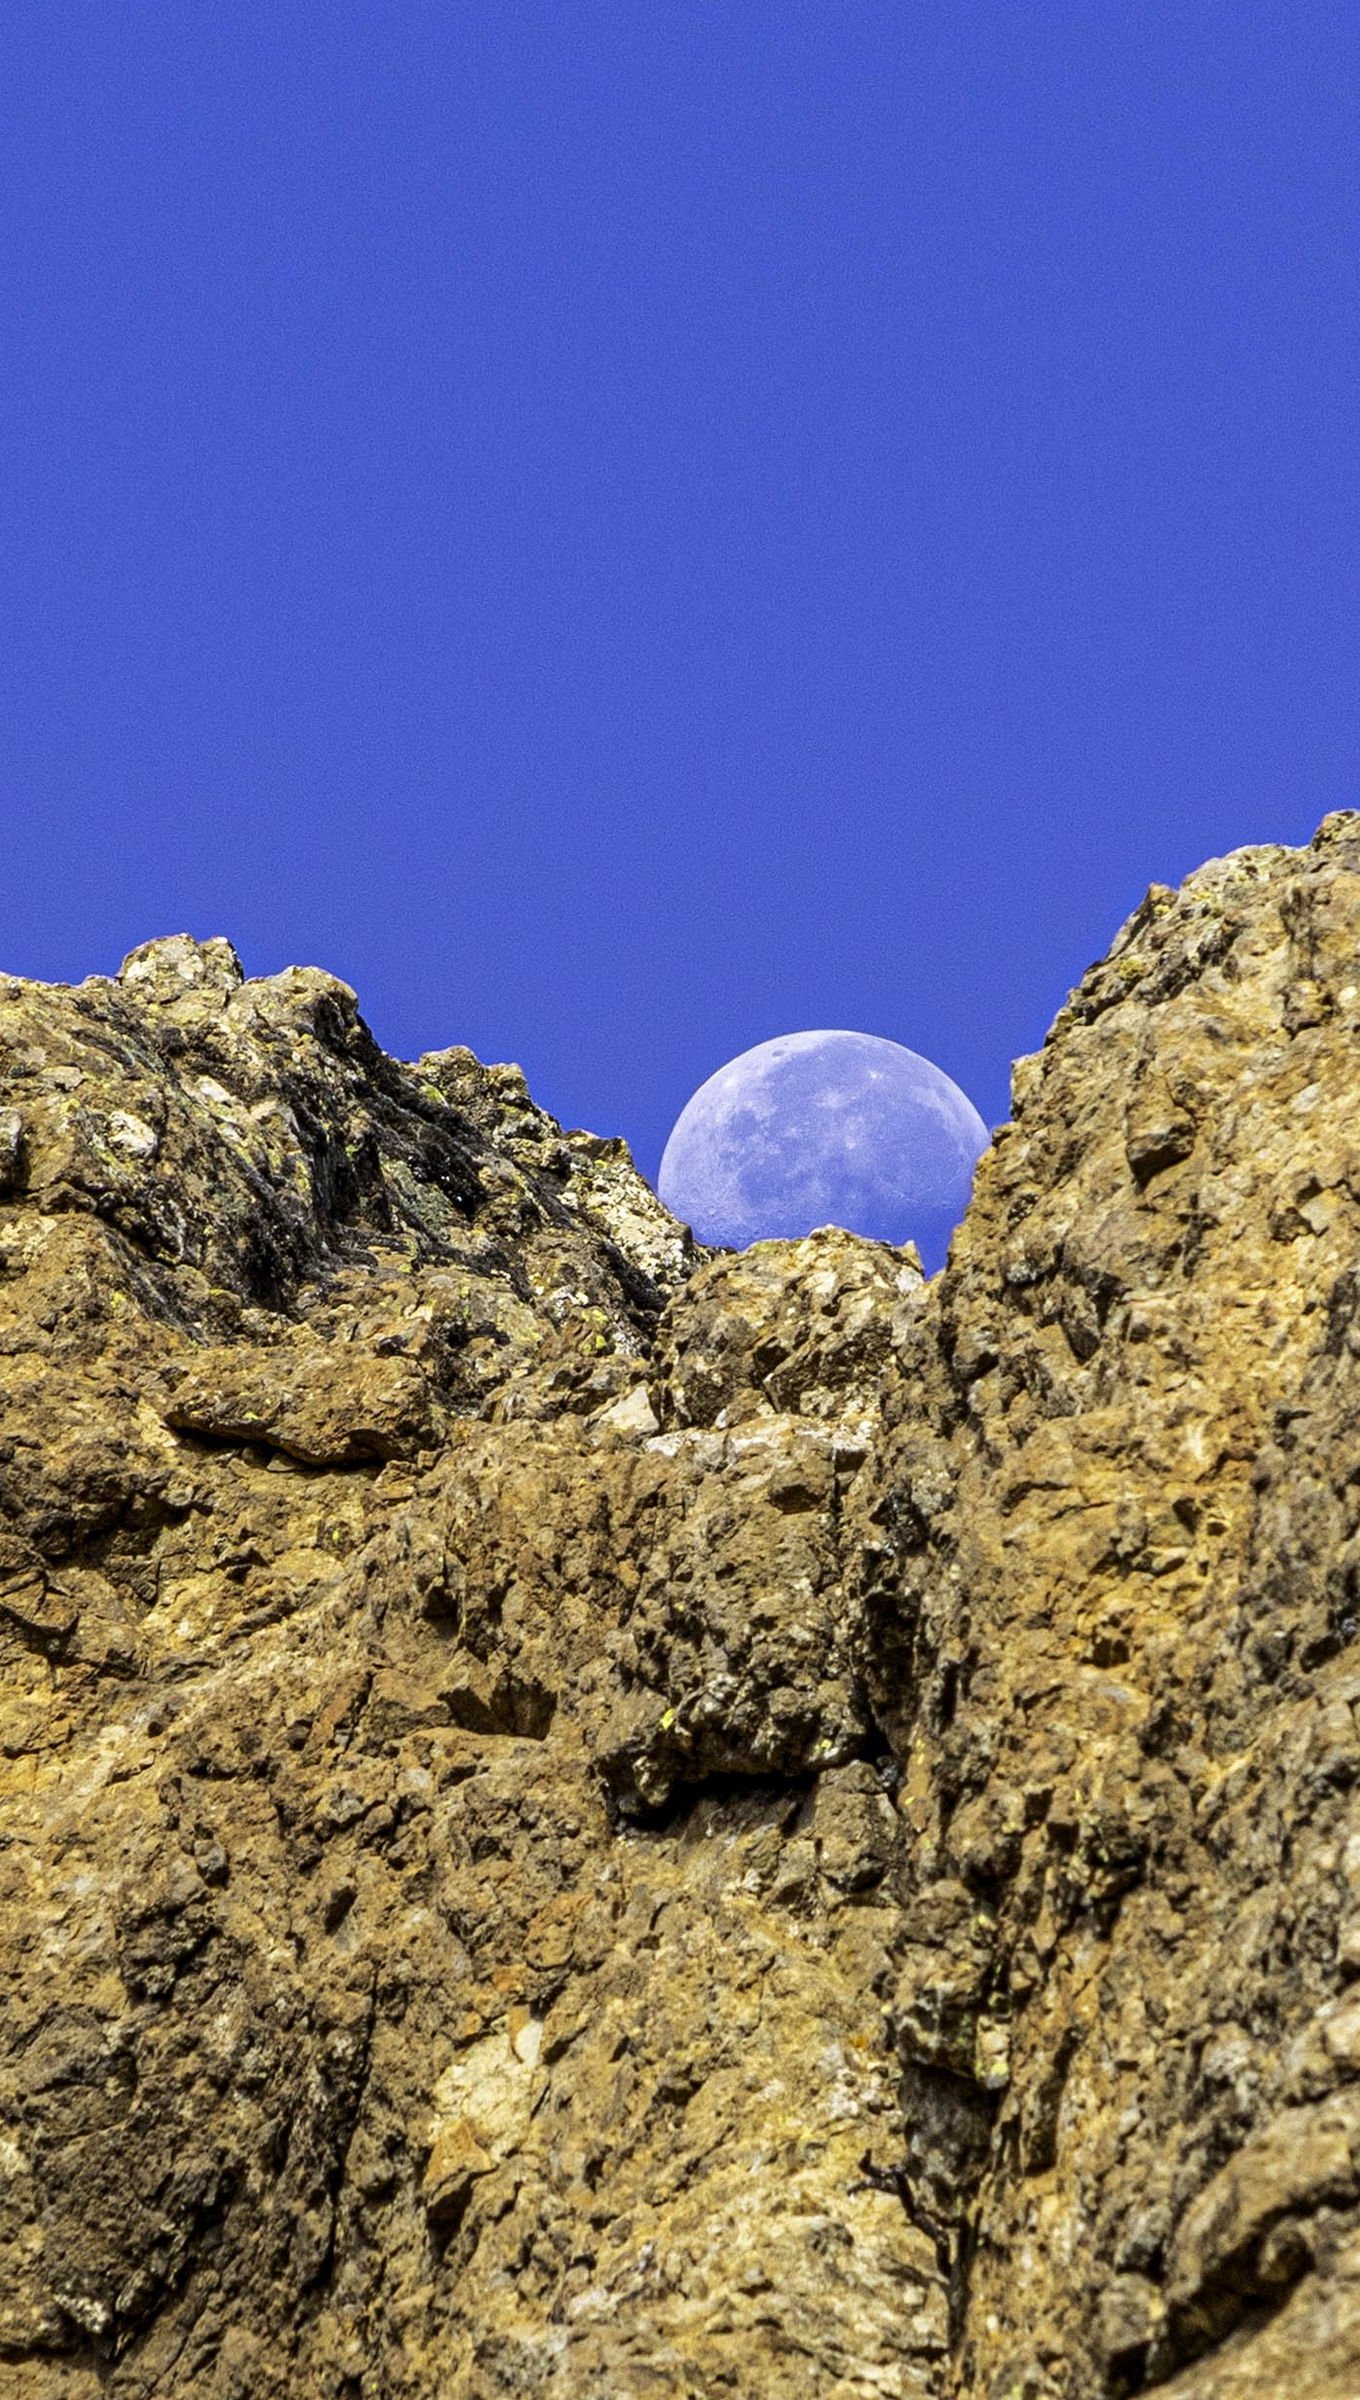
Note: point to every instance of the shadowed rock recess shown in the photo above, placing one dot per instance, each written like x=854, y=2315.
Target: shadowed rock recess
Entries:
x=583, y=1818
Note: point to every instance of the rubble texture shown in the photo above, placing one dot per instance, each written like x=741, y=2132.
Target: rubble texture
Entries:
x=578, y=1817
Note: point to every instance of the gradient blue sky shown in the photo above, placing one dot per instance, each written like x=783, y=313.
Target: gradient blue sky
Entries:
x=626, y=530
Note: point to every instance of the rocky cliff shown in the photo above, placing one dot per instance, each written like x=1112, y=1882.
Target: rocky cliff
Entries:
x=582, y=1818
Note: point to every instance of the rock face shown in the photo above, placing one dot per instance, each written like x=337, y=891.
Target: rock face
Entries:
x=578, y=1818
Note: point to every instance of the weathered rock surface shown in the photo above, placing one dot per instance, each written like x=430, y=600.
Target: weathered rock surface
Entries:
x=577, y=1818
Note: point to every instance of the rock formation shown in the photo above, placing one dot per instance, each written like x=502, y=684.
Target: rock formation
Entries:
x=583, y=1818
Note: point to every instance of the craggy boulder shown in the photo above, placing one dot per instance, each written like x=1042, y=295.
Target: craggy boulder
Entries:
x=579, y=1817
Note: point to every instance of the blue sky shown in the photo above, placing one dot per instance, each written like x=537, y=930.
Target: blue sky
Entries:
x=626, y=531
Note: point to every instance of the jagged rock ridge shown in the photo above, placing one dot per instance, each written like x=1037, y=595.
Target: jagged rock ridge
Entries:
x=584, y=1818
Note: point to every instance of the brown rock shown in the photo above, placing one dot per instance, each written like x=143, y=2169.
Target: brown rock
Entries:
x=579, y=1818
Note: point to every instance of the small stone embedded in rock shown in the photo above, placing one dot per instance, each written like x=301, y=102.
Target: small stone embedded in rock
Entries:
x=129, y=1133
x=165, y=969
x=526, y=2037
x=633, y=1413
x=456, y=2159
x=11, y=1148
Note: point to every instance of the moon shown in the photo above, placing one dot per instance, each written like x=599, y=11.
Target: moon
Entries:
x=824, y=1129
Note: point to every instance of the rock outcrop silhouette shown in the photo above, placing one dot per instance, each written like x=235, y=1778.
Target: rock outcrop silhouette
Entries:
x=581, y=1817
